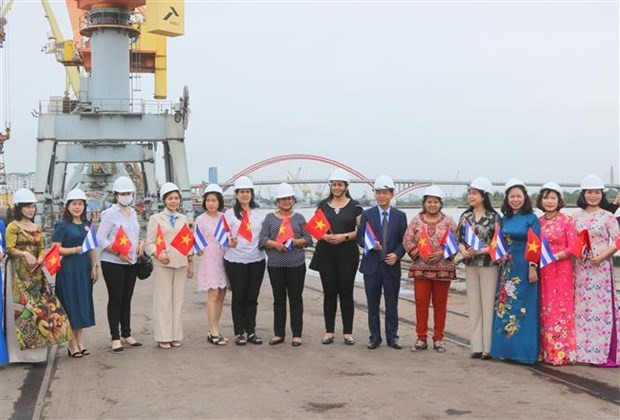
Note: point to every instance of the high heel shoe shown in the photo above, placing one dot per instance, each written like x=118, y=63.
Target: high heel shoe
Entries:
x=75, y=355
x=132, y=342
x=117, y=346
x=218, y=340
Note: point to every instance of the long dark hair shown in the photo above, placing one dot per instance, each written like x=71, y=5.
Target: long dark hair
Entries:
x=527, y=203
x=330, y=197
x=237, y=207
x=486, y=201
x=220, y=200
x=17, y=211
x=66, y=214
x=582, y=203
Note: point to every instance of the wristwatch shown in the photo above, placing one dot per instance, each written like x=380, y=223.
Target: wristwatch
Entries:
x=346, y=236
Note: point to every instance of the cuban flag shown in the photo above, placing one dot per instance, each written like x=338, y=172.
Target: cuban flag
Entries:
x=200, y=242
x=221, y=231
x=289, y=244
x=471, y=239
x=2, y=247
x=370, y=239
x=546, y=256
x=498, y=248
x=90, y=242
x=449, y=244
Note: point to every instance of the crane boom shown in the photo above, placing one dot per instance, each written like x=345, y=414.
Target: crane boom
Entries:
x=6, y=8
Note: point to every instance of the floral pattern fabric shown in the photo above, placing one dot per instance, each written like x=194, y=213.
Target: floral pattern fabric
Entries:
x=40, y=320
x=211, y=274
x=595, y=303
x=484, y=229
x=557, y=307
x=515, y=320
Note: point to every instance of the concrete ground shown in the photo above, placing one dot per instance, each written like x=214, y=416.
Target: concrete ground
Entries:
x=200, y=380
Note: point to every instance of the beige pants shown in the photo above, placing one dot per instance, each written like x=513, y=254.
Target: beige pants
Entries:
x=167, y=303
x=481, y=286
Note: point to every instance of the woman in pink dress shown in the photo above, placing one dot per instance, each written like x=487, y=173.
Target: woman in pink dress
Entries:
x=596, y=314
x=557, y=307
x=211, y=275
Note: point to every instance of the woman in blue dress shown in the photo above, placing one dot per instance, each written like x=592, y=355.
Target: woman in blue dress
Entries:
x=79, y=271
x=516, y=313
x=4, y=354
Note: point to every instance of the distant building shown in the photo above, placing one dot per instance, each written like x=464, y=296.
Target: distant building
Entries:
x=15, y=181
x=213, y=175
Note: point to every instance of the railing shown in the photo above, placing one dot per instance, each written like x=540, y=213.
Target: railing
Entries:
x=105, y=106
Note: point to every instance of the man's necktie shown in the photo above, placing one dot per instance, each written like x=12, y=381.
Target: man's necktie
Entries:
x=172, y=220
x=384, y=232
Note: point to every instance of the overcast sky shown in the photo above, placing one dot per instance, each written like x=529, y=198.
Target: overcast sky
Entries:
x=420, y=90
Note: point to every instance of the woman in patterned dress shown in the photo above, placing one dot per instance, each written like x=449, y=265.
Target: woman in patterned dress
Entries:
x=516, y=318
x=557, y=307
x=286, y=265
x=211, y=274
x=480, y=271
x=35, y=318
x=596, y=314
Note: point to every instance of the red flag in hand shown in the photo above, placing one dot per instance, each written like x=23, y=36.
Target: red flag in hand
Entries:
x=424, y=244
x=160, y=243
x=285, y=232
x=52, y=260
x=582, y=245
x=617, y=243
x=245, y=229
x=184, y=240
x=318, y=225
x=532, y=247
x=121, y=243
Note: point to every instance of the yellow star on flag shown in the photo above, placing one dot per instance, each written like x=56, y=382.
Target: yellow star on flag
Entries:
x=53, y=260
x=493, y=244
x=282, y=229
x=533, y=246
x=124, y=240
x=248, y=227
x=159, y=240
x=320, y=225
x=186, y=239
x=422, y=242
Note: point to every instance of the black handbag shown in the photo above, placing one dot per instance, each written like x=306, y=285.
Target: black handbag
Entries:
x=145, y=266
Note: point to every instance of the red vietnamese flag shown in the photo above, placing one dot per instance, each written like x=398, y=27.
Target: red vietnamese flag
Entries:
x=582, y=244
x=285, y=232
x=160, y=243
x=424, y=244
x=318, y=225
x=121, y=243
x=617, y=243
x=184, y=240
x=52, y=260
x=532, y=247
x=245, y=228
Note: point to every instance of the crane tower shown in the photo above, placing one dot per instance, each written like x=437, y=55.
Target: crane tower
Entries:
x=105, y=126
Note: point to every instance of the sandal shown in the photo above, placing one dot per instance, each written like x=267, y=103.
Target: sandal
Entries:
x=84, y=351
x=254, y=339
x=165, y=346
x=327, y=340
x=419, y=346
x=240, y=340
x=76, y=354
x=276, y=340
x=218, y=340
x=439, y=346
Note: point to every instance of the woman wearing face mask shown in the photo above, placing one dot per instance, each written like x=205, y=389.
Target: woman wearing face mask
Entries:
x=480, y=270
x=120, y=269
x=34, y=317
x=516, y=317
x=337, y=256
x=79, y=271
x=171, y=269
x=596, y=307
x=557, y=295
x=286, y=265
x=431, y=276
x=211, y=275
x=244, y=261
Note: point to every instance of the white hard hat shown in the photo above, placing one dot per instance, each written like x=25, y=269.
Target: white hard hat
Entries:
x=284, y=190
x=213, y=188
x=383, y=182
x=243, y=183
x=482, y=184
x=168, y=187
x=592, y=182
x=24, y=196
x=433, y=191
x=513, y=182
x=340, y=175
x=553, y=186
x=123, y=185
x=76, y=194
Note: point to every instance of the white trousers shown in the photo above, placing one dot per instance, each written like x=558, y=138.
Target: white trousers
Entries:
x=481, y=287
x=168, y=303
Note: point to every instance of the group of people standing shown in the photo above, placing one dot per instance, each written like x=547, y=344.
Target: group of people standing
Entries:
x=563, y=313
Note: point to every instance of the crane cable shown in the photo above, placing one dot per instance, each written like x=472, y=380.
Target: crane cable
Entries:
x=5, y=85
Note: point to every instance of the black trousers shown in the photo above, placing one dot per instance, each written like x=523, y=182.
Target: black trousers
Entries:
x=287, y=280
x=338, y=276
x=245, y=282
x=120, y=279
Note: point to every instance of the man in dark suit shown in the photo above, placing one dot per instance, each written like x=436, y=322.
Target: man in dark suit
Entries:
x=381, y=264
